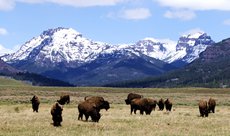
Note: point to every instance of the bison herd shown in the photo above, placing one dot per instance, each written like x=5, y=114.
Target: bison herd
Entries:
x=91, y=106
x=146, y=105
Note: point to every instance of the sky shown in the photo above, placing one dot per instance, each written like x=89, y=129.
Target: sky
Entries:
x=112, y=21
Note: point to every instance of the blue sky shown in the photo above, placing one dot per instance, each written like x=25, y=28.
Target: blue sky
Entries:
x=112, y=21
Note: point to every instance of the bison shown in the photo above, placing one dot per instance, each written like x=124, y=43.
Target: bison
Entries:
x=143, y=104
x=35, y=103
x=168, y=105
x=99, y=102
x=88, y=109
x=211, y=105
x=64, y=99
x=132, y=96
x=203, y=107
x=161, y=104
x=56, y=112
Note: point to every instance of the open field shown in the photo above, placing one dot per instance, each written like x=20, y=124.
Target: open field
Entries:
x=17, y=117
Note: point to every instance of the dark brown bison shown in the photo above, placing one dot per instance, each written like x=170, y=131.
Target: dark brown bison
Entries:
x=168, y=105
x=64, y=99
x=88, y=109
x=203, y=107
x=99, y=102
x=161, y=104
x=35, y=103
x=132, y=96
x=151, y=105
x=56, y=112
x=211, y=105
x=143, y=104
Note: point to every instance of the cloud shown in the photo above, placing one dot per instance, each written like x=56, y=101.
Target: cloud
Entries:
x=223, y=5
x=131, y=14
x=226, y=22
x=180, y=14
x=6, y=5
x=4, y=50
x=3, y=31
x=10, y=4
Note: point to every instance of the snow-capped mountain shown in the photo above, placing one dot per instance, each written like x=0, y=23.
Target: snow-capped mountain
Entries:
x=64, y=50
x=58, y=45
x=65, y=45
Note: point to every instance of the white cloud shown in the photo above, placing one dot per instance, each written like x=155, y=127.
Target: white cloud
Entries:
x=10, y=4
x=3, y=31
x=192, y=31
x=6, y=5
x=180, y=14
x=226, y=22
x=131, y=14
x=4, y=50
x=196, y=4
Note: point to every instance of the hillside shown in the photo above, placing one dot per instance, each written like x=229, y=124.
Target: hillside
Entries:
x=7, y=81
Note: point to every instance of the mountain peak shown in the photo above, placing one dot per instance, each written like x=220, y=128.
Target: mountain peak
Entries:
x=194, y=35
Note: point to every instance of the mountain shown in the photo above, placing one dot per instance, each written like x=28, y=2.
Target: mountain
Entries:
x=211, y=69
x=64, y=54
x=112, y=67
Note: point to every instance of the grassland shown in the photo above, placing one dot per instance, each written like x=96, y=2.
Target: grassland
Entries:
x=17, y=117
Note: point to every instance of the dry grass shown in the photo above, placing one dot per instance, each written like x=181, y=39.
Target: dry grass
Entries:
x=17, y=117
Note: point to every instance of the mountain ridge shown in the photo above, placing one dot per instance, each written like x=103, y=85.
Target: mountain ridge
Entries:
x=64, y=50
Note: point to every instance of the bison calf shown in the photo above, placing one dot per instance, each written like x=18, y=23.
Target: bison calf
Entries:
x=64, y=99
x=211, y=105
x=168, y=105
x=161, y=104
x=56, y=112
x=35, y=103
x=203, y=107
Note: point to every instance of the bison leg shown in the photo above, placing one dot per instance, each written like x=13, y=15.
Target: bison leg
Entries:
x=80, y=116
x=86, y=117
x=131, y=110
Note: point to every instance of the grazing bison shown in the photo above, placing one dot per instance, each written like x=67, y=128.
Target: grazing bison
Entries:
x=64, y=99
x=150, y=105
x=132, y=96
x=203, y=107
x=88, y=109
x=99, y=102
x=56, y=112
x=211, y=105
x=35, y=103
x=161, y=104
x=168, y=105
x=143, y=104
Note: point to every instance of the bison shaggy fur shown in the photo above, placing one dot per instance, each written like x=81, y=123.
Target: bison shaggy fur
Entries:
x=203, y=108
x=35, y=103
x=131, y=96
x=88, y=109
x=56, y=112
x=98, y=101
x=143, y=104
x=64, y=99
x=211, y=105
x=161, y=104
x=168, y=105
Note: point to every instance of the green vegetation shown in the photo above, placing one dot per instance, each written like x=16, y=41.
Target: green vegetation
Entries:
x=17, y=117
